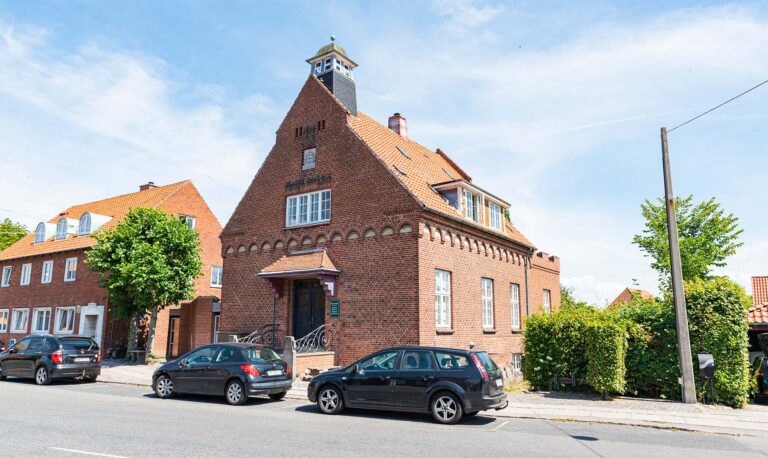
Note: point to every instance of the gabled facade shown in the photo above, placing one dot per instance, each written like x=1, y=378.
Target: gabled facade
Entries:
x=351, y=225
x=47, y=288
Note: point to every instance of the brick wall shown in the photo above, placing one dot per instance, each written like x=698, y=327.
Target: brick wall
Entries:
x=544, y=274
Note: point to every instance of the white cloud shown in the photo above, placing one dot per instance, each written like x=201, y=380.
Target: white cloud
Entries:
x=464, y=15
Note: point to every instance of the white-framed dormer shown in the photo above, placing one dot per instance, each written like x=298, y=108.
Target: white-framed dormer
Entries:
x=474, y=203
x=66, y=227
x=89, y=222
x=43, y=231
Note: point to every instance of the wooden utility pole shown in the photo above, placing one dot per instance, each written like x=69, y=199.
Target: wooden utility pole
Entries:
x=681, y=315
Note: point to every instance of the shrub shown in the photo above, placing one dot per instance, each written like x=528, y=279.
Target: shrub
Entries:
x=606, y=351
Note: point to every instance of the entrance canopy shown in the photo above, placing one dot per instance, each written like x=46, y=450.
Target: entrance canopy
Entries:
x=299, y=265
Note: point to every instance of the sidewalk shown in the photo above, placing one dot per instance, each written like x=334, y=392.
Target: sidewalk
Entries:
x=127, y=373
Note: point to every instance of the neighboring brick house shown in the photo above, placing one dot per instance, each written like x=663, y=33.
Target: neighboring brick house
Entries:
x=758, y=313
x=47, y=288
x=352, y=225
x=627, y=296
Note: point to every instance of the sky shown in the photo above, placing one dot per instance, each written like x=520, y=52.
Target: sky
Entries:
x=555, y=106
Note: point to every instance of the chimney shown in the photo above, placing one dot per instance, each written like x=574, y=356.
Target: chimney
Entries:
x=398, y=124
x=149, y=185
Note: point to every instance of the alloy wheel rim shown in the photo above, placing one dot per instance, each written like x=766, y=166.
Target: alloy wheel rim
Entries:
x=41, y=375
x=235, y=392
x=445, y=408
x=329, y=400
x=165, y=386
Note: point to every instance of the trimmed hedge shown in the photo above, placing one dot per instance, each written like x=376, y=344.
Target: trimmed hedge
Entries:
x=606, y=351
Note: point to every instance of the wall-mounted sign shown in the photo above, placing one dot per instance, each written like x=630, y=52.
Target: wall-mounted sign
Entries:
x=335, y=307
x=301, y=182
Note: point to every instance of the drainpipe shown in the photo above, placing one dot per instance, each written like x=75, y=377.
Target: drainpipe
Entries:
x=527, y=295
x=274, y=318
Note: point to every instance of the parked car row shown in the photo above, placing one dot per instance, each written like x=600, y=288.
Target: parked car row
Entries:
x=447, y=383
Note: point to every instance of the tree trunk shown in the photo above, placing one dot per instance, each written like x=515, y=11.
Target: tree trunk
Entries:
x=151, y=334
x=133, y=333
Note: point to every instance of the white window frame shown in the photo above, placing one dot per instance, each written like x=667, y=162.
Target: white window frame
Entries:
x=514, y=303
x=84, y=226
x=35, y=311
x=40, y=235
x=442, y=299
x=26, y=274
x=190, y=221
x=5, y=319
x=46, y=275
x=495, y=215
x=62, y=234
x=6, y=280
x=219, y=277
x=546, y=300
x=469, y=207
x=216, y=323
x=66, y=269
x=305, y=164
x=15, y=329
x=71, y=312
x=486, y=285
x=300, y=209
x=517, y=363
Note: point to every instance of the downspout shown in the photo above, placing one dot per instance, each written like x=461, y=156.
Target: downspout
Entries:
x=527, y=294
x=111, y=325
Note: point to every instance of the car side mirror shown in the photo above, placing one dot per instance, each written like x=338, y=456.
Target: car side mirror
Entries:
x=183, y=363
x=13, y=350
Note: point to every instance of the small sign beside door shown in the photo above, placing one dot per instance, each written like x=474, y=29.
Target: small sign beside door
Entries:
x=335, y=307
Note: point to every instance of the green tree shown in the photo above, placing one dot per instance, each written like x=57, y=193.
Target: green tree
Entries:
x=149, y=261
x=569, y=301
x=11, y=233
x=708, y=236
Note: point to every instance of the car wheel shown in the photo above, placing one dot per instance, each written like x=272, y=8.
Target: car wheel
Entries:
x=2, y=376
x=236, y=394
x=329, y=400
x=164, y=387
x=446, y=408
x=41, y=376
x=277, y=396
x=89, y=379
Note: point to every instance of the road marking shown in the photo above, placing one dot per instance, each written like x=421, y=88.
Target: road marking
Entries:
x=82, y=452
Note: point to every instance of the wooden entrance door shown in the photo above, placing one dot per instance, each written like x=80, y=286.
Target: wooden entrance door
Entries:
x=308, y=307
x=173, y=337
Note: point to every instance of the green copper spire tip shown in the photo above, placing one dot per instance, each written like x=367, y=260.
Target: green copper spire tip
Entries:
x=333, y=37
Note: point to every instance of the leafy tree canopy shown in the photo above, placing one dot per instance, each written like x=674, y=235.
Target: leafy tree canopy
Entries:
x=708, y=236
x=10, y=233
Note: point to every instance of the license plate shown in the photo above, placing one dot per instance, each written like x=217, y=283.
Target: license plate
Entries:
x=499, y=382
x=274, y=372
x=82, y=360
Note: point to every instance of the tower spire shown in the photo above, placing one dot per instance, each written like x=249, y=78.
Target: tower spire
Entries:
x=335, y=69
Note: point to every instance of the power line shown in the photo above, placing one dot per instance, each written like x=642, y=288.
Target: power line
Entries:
x=715, y=108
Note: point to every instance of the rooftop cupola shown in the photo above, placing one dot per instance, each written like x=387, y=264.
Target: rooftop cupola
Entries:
x=336, y=70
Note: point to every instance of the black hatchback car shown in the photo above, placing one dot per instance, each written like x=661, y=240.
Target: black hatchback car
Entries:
x=446, y=382
x=46, y=357
x=233, y=370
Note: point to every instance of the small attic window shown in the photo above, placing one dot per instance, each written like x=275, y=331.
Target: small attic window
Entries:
x=449, y=174
x=40, y=233
x=85, y=224
x=403, y=152
x=61, y=229
x=327, y=64
x=399, y=170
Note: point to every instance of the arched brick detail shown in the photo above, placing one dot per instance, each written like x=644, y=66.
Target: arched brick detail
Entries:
x=293, y=243
x=406, y=228
x=337, y=237
x=353, y=235
x=369, y=233
x=279, y=245
x=388, y=230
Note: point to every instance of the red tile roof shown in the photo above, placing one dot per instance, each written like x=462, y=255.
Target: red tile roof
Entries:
x=626, y=296
x=114, y=207
x=758, y=314
x=307, y=261
x=759, y=290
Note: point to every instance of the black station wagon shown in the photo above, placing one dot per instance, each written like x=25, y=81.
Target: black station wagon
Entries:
x=46, y=357
x=446, y=382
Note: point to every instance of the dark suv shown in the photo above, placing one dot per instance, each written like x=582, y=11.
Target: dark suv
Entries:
x=45, y=357
x=446, y=382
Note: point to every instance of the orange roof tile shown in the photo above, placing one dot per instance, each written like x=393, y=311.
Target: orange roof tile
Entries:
x=626, y=296
x=420, y=170
x=303, y=261
x=759, y=290
x=758, y=314
x=114, y=207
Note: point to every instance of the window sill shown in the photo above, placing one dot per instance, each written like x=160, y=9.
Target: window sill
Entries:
x=516, y=330
x=216, y=286
x=322, y=223
x=444, y=331
x=489, y=331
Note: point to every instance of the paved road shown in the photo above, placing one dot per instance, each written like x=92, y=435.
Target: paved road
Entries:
x=78, y=420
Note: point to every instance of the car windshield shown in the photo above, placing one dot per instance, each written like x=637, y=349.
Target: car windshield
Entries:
x=260, y=355
x=82, y=343
x=488, y=363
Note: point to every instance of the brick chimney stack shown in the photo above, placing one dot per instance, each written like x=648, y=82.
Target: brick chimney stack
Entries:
x=399, y=125
x=149, y=185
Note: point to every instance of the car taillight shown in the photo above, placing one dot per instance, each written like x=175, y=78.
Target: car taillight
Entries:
x=250, y=369
x=480, y=367
x=57, y=357
x=287, y=369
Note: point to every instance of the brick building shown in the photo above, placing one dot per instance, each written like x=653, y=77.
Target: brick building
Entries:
x=351, y=225
x=47, y=288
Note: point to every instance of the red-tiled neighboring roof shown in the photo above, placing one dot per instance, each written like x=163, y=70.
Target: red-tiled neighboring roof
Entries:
x=308, y=261
x=114, y=207
x=626, y=296
x=758, y=314
x=420, y=170
x=759, y=290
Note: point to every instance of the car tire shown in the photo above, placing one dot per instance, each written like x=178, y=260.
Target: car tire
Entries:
x=470, y=414
x=329, y=400
x=2, y=376
x=42, y=377
x=278, y=396
x=164, y=387
x=89, y=379
x=235, y=393
x=446, y=408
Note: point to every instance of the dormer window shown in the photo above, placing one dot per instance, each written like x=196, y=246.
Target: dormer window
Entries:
x=40, y=233
x=85, y=224
x=495, y=215
x=61, y=229
x=471, y=209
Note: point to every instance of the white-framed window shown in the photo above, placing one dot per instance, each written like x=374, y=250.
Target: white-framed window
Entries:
x=61, y=229
x=308, y=159
x=514, y=302
x=6, y=281
x=47, y=273
x=70, y=269
x=20, y=321
x=327, y=64
x=41, y=320
x=469, y=207
x=40, y=233
x=65, y=320
x=4, y=320
x=84, y=228
x=216, y=274
x=487, y=287
x=517, y=363
x=442, y=298
x=26, y=274
x=547, y=301
x=309, y=208
x=495, y=215
x=216, y=320
x=190, y=220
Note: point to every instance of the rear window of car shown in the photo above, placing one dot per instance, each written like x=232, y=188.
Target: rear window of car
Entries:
x=451, y=361
x=78, y=344
x=488, y=363
x=260, y=355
